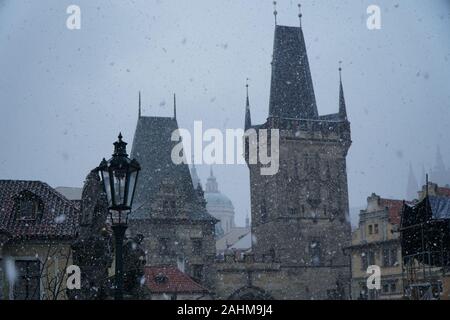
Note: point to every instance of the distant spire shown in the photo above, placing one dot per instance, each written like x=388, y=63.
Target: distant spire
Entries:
x=423, y=177
x=300, y=15
x=412, y=188
x=275, y=12
x=175, y=106
x=140, y=105
x=212, y=185
x=247, y=221
x=439, y=166
x=342, y=106
x=248, y=118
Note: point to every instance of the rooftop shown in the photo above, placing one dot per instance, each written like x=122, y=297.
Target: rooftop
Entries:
x=168, y=279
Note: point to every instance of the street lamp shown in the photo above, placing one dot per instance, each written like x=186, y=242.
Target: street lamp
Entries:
x=119, y=176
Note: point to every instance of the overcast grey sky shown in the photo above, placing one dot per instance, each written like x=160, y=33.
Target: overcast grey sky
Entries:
x=65, y=95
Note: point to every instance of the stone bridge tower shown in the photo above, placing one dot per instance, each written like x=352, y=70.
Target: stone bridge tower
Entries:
x=300, y=216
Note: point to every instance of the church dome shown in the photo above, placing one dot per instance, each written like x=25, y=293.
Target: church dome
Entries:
x=218, y=205
x=218, y=199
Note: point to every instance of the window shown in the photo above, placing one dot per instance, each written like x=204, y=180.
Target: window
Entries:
x=197, y=246
x=315, y=251
x=364, y=263
x=394, y=261
x=197, y=272
x=390, y=257
x=27, y=286
x=28, y=206
x=393, y=287
x=376, y=229
x=161, y=279
x=169, y=205
x=367, y=259
x=292, y=211
x=385, y=288
x=371, y=258
x=164, y=246
x=370, y=229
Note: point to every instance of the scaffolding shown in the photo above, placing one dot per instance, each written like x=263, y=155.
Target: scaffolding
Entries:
x=425, y=239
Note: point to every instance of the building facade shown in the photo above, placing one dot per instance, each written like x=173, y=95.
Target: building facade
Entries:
x=37, y=228
x=376, y=242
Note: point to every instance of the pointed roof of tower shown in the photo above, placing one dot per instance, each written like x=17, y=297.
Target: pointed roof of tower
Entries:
x=292, y=91
x=248, y=117
x=175, y=106
x=140, y=105
x=342, y=106
x=152, y=148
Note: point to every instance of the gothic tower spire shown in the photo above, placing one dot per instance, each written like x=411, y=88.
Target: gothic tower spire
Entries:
x=212, y=185
x=175, y=106
x=342, y=106
x=248, y=118
x=140, y=106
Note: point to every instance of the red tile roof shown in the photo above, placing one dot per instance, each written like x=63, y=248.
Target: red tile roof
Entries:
x=59, y=218
x=395, y=209
x=443, y=192
x=168, y=279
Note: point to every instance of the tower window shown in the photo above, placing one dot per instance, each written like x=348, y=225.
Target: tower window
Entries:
x=197, y=246
x=376, y=229
x=164, y=246
x=197, y=272
x=370, y=229
x=316, y=253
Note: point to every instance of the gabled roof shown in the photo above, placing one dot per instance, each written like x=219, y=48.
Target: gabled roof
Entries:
x=292, y=92
x=168, y=279
x=59, y=218
x=394, y=208
x=152, y=148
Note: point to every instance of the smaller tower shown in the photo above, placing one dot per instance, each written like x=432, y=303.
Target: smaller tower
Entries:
x=248, y=117
x=342, y=106
x=140, y=105
x=175, y=106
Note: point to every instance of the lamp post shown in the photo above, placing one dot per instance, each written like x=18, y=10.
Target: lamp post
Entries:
x=119, y=176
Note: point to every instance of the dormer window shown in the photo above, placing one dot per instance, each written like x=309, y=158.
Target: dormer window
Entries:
x=161, y=279
x=28, y=206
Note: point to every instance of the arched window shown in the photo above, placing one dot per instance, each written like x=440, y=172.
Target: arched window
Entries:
x=28, y=206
